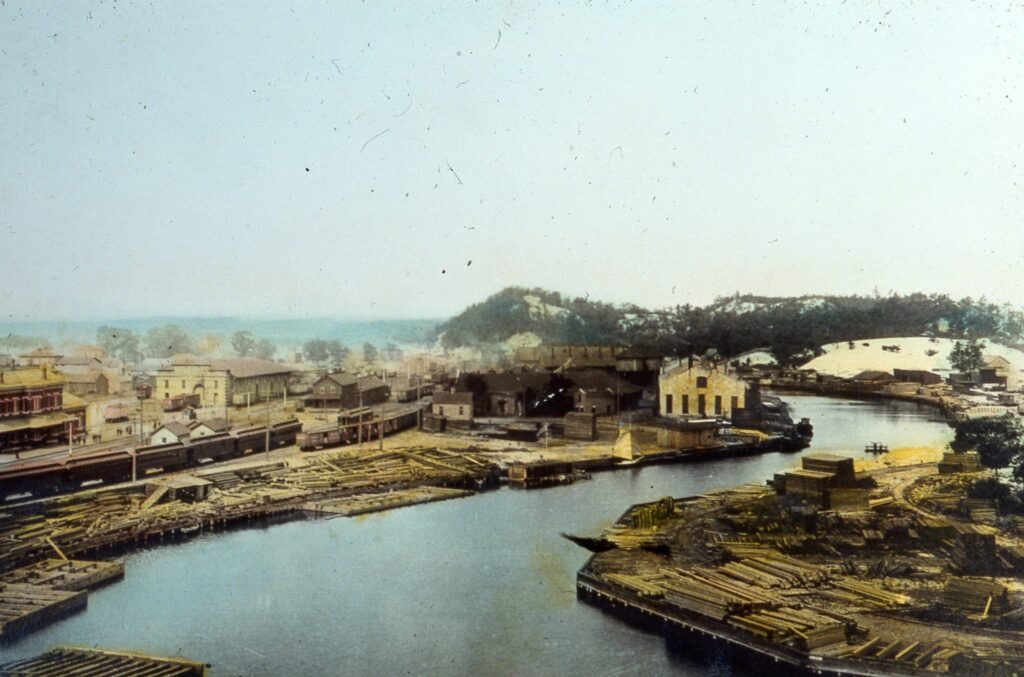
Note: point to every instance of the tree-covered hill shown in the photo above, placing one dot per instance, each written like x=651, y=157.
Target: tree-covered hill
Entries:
x=788, y=327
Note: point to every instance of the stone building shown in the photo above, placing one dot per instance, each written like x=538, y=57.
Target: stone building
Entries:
x=701, y=390
x=223, y=381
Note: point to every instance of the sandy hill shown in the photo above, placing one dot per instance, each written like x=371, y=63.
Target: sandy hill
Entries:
x=916, y=352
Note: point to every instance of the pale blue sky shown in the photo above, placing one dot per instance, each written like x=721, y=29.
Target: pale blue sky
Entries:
x=153, y=156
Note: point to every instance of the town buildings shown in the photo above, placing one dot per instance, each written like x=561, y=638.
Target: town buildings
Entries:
x=32, y=408
x=335, y=391
x=694, y=388
x=453, y=406
x=223, y=381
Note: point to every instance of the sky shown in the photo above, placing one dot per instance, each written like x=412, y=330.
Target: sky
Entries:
x=406, y=159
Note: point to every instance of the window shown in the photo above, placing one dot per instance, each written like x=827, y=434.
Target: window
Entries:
x=702, y=381
x=167, y=384
x=718, y=405
x=701, y=405
x=686, y=405
x=166, y=395
x=440, y=409
x=668, y=403
x=460, y=411
x=734, y=403
x=182, y=383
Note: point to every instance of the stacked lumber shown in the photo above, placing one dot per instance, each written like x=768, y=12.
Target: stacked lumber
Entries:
x=802, y=628
x=630, y=539
x=709, y=593
x=859, y=593
x=975, y=595
x=638, y=584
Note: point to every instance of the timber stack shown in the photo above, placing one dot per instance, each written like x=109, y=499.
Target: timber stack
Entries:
x=826, y=570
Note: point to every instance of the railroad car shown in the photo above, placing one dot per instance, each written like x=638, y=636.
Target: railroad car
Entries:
x=350, y=433
x=48, y=476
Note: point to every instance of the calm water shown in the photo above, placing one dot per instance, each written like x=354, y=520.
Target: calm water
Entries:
x=482, y=585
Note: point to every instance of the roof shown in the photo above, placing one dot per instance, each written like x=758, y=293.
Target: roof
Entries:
x=82, y=376
x=42, y=352
x=831, y=458
x=595, y=379
x=72, y=402
x=812, y=474
x=873, y=375
x=370, y=383
x=249, y=367
x=175, y=428
x=217, y=425
x=510, y=382
x=183, y=482
x=30, y=377
x=35, y=422
x=453, y=398
x=341, y=378
x=77, y=360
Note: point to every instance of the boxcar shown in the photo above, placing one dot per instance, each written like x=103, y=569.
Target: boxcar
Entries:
x=163, y=457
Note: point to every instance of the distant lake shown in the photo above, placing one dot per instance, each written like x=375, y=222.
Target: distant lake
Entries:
x=285, y=333
x=476, y=586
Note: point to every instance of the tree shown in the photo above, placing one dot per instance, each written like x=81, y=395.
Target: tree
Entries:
x=118, y=342
x=966, y=356
x=338, y=352
x=265, y=349
x=316, y=351
x=999, y=441
x=369, y=352
x=243, y=343
x=170, y=339
x=209, y=343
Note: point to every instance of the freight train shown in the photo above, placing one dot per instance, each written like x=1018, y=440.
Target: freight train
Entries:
x=357, y=426
x=51, y=476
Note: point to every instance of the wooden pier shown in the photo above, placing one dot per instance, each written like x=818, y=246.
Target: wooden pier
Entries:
x=361, y=504
x=47, y=591
x=83, y=662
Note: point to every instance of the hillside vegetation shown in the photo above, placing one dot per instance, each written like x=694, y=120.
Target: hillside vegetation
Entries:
x=791, y=328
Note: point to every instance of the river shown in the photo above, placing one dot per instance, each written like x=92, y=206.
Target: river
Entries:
x=480, y=585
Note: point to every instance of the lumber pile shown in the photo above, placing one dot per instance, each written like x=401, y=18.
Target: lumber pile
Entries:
x=973, y=595
x=803, y=628
x=860, y=594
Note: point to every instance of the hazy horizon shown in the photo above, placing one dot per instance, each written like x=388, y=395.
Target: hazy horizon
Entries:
x=382, y=160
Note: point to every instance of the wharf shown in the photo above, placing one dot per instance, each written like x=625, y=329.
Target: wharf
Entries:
x=84, y=662
x=25, y=607
x=361, y=504
x=883, y=573
x=64, y=574
x=47, y=591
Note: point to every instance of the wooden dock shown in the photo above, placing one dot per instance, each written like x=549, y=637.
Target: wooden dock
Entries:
x=84, y=662
x=361, y=504
x=68, y=575
x=25, y=607
x=47, y=591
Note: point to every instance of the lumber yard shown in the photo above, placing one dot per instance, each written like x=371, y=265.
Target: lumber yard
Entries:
x=826, y=570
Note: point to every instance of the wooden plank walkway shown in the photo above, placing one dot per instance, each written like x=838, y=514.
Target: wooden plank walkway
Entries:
x=361, y=504
x=83, y=662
